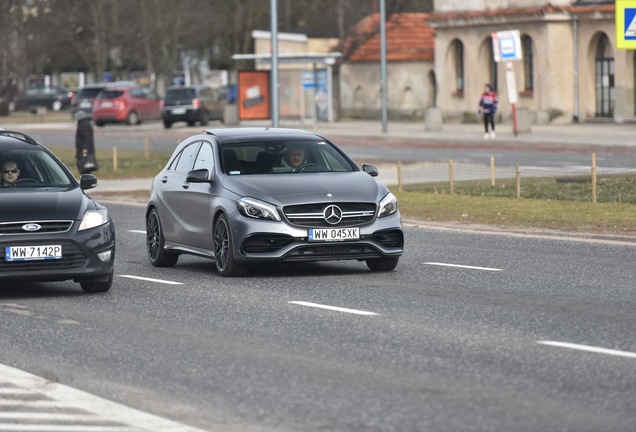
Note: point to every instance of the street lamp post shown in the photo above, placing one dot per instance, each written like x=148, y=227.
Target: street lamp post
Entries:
x=383, y=77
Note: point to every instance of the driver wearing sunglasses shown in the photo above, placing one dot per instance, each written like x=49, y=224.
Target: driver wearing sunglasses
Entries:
x=10, y=173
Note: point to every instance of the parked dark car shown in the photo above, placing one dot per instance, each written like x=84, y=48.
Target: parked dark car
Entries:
x=128, y=104
x=83, y=99
x=53, y=98
x=231, y=195
x=192, y=104
x=50, y=230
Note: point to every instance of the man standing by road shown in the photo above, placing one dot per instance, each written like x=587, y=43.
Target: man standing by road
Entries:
x=488, y=108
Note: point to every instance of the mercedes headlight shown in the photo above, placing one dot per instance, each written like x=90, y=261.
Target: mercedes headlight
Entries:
x=388, y=205
x=257, y=209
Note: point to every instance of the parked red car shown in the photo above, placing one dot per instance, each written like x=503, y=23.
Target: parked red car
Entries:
x=126, y=104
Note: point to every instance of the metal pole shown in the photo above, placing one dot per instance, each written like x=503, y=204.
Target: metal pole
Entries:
x=575, y=24
x=315, y=98
x=274, y=72
x=383, y=78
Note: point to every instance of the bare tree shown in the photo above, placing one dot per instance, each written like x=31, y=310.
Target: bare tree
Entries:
x=50, y=36
x=10, y=55
x=234, y=21
x=162, y=23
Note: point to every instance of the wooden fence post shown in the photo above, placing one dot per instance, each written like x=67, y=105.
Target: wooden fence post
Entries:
x=114, y=158
x=492, y=171
x=593, y=177
x=451, y=176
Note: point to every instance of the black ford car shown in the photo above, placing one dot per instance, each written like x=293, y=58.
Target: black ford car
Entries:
x=50, y=230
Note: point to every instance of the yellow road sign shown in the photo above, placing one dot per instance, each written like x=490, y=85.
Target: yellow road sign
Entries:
x=626, y=24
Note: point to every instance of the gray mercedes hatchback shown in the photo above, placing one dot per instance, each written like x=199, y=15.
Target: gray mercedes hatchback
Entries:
x=240, y=196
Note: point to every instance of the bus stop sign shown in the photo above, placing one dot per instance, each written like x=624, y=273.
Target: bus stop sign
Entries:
x=506, y=45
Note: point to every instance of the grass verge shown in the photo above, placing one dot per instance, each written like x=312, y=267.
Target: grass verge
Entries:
x=130, y=164
x=570, y=216
x=619, y=188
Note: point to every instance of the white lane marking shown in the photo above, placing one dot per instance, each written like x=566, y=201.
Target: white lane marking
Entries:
x=151, y=280
x=34, y=415
x=463, y=266
x=137, y=231
x=65, y=428
x=589, y=349
x=48, y=406
x=333, y=308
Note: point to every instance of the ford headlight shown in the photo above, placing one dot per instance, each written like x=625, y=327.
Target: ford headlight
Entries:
x=93, y=218
x=388, y=205
x=257, y=209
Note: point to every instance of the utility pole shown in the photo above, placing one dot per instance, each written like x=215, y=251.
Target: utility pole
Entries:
x=274, y=71
x=383, y=74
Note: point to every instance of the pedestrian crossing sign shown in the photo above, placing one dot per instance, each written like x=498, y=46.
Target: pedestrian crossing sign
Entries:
x=626, y=24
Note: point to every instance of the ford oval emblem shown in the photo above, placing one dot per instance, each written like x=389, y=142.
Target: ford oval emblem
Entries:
x=31, y=227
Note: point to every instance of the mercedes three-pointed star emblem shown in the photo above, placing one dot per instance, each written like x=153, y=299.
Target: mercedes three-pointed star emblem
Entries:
x=332, y=214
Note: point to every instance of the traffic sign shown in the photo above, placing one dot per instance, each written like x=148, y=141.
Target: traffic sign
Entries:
x=506, y=45
x=626, y=24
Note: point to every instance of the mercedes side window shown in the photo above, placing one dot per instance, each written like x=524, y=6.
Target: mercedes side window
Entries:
x=186, y=160
x=205, y=158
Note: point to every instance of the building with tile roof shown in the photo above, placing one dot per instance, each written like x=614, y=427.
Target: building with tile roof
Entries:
x=410, y=44
x=570, y=68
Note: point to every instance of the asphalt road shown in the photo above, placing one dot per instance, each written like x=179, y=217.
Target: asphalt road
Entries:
x=453, y=340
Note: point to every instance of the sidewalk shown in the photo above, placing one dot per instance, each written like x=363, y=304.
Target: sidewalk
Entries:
x=549, y=135
x=594, y=134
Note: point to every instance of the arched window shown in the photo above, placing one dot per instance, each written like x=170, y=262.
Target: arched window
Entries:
x=528, y=63
x=358, y=97
x=458, y=60
x=409, y=101
x=605, y=91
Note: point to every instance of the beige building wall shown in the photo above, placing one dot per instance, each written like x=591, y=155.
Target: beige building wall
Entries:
x=479, y=5
x=555, y=73
x=410, y=89
x=287, y=44
x=590, y=32
x=556, y=95
x=553, y=69
x=321, y=45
